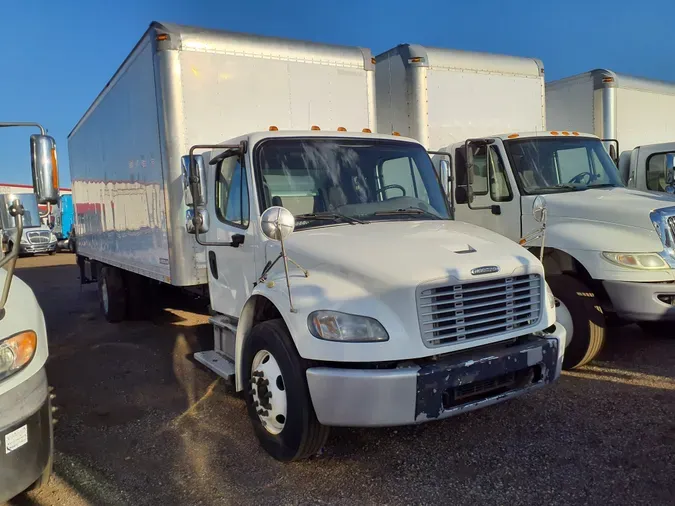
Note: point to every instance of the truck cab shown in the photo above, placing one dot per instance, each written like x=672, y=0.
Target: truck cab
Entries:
x=26, y=432
x=36, y=237
x=346, y=295
x=650, y=167
x=608, y=248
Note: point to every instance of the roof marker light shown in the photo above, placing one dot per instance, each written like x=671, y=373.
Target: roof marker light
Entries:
x=273, y=129
x=575, y=133
x=342, y=129
x=565, y=133
x=314, y=127
x=396, y=133
x=367, y=131
x=513, y=136
x=554, y=133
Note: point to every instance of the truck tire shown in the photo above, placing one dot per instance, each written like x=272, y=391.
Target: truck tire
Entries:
x=112, y=294
x=277, y=399
x=141, y=301
x=587, y=319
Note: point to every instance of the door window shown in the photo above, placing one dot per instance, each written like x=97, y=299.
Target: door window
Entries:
x=232, y=202
x=656, y=171
x=500, y=190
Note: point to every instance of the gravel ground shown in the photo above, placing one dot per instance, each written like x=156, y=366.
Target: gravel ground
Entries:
x=139, y=422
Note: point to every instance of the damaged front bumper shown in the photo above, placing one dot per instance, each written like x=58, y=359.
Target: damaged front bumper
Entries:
x=453, y=384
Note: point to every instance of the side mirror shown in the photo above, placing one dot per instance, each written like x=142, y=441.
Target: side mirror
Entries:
x=461, y=195
x=194, y=180
x=277, y=223
x=45, y=168
x=196, y=221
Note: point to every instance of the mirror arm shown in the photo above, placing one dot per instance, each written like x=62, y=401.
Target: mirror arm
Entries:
x=24, y=124
x=16, y=210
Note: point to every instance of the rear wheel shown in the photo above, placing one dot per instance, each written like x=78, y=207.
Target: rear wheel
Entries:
x=112, y=294
x=583, y=315
x=278, y=399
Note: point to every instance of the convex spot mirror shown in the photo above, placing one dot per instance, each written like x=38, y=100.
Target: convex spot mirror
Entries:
x=45, y=168
x=277, y=223
x=196, y=221
x=539, y=209
x=194, y=180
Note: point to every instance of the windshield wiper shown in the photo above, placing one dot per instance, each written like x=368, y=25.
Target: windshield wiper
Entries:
x=330, y=216
x=409, y=211
x=603, y=185
x=564, y=186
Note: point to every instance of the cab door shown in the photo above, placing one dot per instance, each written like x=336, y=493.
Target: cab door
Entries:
x=655, y=166
x=231, y=238
x=491, y=199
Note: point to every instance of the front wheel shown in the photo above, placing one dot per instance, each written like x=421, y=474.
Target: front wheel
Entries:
x=585, y=325
x=278, y=399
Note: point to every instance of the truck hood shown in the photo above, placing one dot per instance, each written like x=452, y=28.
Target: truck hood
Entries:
x=620, y=206
x=406, y=253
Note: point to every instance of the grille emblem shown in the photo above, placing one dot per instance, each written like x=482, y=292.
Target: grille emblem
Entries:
x=487, y=269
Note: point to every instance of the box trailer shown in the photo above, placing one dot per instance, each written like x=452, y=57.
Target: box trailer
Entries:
x=484, y=115
x=343, y=294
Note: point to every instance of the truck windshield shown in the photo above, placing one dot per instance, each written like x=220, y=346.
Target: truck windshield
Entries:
x=324, y=180
x=547, y=165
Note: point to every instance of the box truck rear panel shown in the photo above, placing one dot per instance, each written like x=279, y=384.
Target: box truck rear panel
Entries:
x=183, y=86
x=442, y=96
x=644, y=117
x=570, y=105
x=116, y=172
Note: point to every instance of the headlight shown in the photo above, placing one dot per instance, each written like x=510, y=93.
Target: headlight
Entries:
x=647, y=261
x=16, y=352
x=550, y=299
x=24, y=240
x=52, y=238
x=336, y=326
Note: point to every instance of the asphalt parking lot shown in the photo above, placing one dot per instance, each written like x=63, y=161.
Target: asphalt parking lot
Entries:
x=140, y=422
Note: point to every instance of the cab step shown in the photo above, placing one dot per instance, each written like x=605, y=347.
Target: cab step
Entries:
x=217, y=362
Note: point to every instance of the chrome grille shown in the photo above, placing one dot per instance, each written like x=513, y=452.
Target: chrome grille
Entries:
x=41, y=237
x=480, y=309
x=671, y=225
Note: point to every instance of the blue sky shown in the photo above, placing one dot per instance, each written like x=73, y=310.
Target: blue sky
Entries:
x=57, y=55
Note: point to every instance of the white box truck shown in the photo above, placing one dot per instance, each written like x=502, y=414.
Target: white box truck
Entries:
x=26, y=432
x=638, y=112
x=603, y=256
x=378, y=310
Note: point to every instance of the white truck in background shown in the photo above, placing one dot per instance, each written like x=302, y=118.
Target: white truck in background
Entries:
x=485, y=113
x=639, y=113
x=378, y=310
x=36, y=236
x=26, y=432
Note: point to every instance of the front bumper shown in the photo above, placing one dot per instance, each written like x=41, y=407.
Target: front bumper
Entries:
x=37, y=248
x=438, y=389
x=642, y=301
x=26, y=440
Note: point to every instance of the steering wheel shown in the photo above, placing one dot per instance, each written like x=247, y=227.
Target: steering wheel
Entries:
x=389, y=187
x=579, y=177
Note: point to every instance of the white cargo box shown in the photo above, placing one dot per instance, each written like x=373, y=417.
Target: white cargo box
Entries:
x=182, y=86
x=632, y=110
x=442, y=96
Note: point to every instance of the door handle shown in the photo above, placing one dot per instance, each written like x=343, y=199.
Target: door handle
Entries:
x=213, y=264
x=237, y=240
